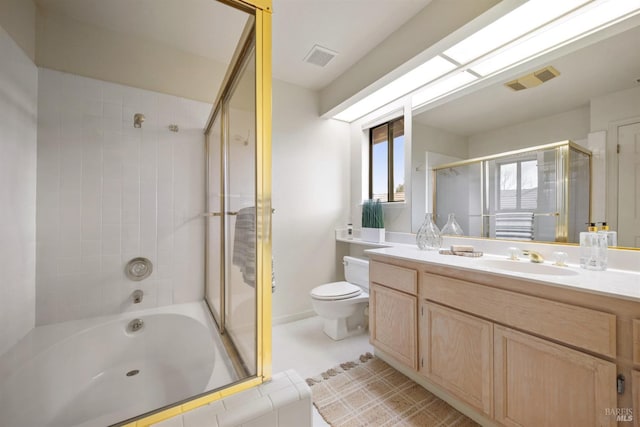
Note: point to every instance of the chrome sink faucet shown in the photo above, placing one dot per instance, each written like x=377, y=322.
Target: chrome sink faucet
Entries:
x=533, y=256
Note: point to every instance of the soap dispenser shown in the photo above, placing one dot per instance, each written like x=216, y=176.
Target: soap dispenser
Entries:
x=612, y=236
x=593, y=249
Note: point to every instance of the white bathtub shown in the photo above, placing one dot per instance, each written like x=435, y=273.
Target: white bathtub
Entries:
x=75, y=373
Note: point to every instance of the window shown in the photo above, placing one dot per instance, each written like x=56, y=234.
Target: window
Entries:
x=386, y=161
x=518, y=185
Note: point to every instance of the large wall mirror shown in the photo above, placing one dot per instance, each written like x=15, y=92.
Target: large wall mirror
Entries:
x=593, y=101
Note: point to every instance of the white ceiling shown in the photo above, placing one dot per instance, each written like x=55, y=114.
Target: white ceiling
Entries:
x=604, y=67
x=350, y=27
x=202, y=27
x=353, y=28
x=208, y=28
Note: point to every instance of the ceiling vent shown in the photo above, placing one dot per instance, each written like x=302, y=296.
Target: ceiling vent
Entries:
x=534, y=79
x=319, y=56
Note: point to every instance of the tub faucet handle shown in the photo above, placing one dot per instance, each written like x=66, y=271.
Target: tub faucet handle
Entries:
x=137, y=296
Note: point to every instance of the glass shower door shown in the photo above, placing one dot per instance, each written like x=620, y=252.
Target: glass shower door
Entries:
x=213, y=266
x=232, y=218
x=240, y=225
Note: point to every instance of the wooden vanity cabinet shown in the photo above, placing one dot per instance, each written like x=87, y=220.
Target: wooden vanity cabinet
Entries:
x=517, y=358
x=515, y=377
x=540, y=383
x=635, y=408
x=393, y=325
x=456, y=352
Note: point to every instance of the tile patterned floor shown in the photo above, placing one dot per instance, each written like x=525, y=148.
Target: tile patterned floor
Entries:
x=301, y=345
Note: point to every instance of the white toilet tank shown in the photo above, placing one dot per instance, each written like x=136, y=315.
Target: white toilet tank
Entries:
x=356, y=271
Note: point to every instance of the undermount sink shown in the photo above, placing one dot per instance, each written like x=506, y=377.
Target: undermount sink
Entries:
x=525, y=266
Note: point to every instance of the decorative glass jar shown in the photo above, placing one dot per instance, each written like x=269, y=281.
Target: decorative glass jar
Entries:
x=452, y=228
x=429, y=237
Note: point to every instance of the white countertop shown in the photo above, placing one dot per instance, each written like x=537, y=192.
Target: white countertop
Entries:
x=611, y=282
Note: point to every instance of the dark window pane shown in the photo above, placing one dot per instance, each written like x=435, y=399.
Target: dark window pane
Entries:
x=387, y=161
x=398, y=169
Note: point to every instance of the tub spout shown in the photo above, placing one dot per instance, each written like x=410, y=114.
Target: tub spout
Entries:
x=137, y=296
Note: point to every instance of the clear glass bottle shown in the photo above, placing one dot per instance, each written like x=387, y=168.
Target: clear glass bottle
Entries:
x=612, y=236
x=452, y=228
x=429, y=236
x=593, y=249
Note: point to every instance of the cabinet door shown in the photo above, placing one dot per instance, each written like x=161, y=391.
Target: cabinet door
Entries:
x=456, y=352
x=538, y=383
x=634, y=414
x=393, y=323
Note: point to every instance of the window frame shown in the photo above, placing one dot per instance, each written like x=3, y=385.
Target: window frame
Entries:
x=390, y=159
x=518, y=189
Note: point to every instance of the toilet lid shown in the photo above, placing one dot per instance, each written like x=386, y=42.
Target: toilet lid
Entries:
x=335, y=291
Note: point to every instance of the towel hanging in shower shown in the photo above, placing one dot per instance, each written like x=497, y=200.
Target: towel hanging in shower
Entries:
x=514, y=225
x=244, y=247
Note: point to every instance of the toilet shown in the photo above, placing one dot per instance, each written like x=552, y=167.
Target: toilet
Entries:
x=342, y=305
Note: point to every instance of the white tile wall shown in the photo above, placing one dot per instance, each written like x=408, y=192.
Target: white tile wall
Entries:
x=108, y=192
x=285, y=401
x=18, y=108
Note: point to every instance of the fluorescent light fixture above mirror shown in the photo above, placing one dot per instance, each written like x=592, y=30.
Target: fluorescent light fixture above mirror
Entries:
x=423, y=74
x=445, y=86
x=535, y=28
x=531, y=15
x=579, y=24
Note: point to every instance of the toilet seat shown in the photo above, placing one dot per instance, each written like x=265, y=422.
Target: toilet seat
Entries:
x=335, y=291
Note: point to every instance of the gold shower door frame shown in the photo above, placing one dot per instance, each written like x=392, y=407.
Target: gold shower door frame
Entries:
x=261, y=10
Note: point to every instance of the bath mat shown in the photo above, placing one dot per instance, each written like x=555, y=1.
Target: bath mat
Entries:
x=369, y=392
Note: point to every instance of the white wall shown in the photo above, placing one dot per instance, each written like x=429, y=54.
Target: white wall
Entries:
x=432, y=140
x=607, y=113
x=572, y=124
x=310, y=194
x=18, y=109
x=108, y=192
x=615, y=106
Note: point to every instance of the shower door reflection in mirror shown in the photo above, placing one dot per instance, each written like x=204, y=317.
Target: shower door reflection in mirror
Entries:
x=538, y=193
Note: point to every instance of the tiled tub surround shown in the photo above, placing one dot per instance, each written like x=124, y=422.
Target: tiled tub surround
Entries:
x=107, y=192
x=285, y=401
x=75, y=372
x=18, y=108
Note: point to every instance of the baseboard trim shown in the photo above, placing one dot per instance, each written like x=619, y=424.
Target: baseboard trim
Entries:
x=292, y=317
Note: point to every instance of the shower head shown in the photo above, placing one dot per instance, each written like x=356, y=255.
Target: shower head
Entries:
x=138, y=118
